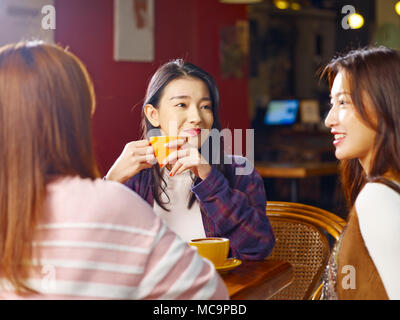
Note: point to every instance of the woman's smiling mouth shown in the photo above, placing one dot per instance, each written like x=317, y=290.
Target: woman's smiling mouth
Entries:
x=193, y=132
x=339, y=137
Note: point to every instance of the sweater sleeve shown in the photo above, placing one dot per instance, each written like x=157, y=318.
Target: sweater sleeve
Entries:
x=379, y=217
x=238, y=212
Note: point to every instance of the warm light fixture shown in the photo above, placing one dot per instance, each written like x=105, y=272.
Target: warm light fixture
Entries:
x=286, y=4
x=356, y=21
x=281, y=4
x=295, y=6
x=397, y=7
x=240, y=1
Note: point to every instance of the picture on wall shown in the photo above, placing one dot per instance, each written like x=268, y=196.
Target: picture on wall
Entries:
x=134, y=30
x=234, y=49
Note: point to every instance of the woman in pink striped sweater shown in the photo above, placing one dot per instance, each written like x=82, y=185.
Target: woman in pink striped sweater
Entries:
x=64, y=233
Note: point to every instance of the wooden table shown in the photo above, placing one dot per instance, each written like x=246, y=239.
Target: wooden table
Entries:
x=295, y=171
x=258, y=280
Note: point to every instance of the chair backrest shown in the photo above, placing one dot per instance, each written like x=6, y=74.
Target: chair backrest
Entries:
x=301, y=233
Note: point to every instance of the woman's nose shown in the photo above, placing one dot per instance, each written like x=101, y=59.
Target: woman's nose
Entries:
x=194, y=115
x=330, y=119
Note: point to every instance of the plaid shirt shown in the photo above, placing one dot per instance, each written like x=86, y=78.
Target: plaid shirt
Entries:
x=232, y=208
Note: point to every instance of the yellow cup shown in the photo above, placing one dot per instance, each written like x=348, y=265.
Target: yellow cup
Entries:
x=160, y=150
x=214, y=249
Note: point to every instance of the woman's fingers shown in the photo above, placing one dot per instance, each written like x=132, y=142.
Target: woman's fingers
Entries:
x=175, y=143
x=137, y=149
x=140, y=151
x=175, y=155
x=191, y=161
x=136, y=156
x=182, y=167
x=130, y=146
x=147, y=158
x=141, y=143
x=178, y=167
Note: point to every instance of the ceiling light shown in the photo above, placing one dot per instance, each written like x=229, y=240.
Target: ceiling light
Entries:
x=356, y=21
x=281, y=4
x=295, y=6
x=397, y=8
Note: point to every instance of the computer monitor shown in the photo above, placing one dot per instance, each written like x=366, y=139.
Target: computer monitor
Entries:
x=281, y=112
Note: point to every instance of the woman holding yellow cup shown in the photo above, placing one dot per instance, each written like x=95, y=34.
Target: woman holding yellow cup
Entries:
x=195, y=198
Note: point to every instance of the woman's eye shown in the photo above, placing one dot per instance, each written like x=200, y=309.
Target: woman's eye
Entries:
x=180, y=105
x=206, y=107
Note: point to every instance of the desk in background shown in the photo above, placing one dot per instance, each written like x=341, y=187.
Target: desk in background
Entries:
x=295, y=171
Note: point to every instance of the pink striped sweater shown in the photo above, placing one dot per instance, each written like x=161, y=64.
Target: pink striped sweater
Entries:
x=100, y=240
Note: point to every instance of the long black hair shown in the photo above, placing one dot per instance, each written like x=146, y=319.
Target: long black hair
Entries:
x=169, y=71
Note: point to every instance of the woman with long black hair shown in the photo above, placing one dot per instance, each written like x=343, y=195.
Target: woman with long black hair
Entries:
x=195, y=196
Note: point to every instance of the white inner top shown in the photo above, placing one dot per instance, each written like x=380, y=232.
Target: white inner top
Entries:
x=188, y=224
x=378, y=210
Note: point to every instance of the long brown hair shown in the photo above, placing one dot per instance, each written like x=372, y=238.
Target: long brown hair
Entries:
x=169, y=71
x=375, y=72
x=46, y=102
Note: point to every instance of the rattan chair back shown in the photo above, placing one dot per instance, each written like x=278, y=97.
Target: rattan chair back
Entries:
x=301, y=233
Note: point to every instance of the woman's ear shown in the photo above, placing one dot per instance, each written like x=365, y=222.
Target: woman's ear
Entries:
x=151, y=114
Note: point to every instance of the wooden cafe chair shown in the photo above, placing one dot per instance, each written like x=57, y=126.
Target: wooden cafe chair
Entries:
x=302, y=238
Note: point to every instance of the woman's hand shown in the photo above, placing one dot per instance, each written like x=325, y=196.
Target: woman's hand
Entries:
x=136, y=156
x=186, y=158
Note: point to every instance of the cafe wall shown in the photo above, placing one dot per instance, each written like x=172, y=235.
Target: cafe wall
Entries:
x=188, y=29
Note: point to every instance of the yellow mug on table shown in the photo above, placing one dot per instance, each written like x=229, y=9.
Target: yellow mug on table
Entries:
x=214, y=249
